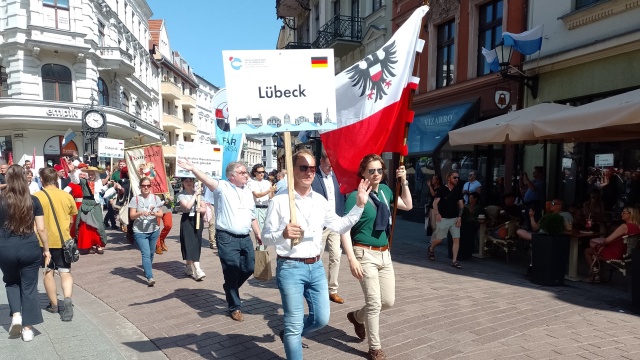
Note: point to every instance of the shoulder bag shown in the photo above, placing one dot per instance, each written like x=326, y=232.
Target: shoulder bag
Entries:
x=69, y=246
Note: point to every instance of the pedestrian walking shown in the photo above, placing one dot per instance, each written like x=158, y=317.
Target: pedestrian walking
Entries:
x=58, y=208
x=300, y=273
x=167, y=222
x=262, y=191
x=190, y=232
x=448, y=205
x=20, y=252
x=211, y=220
x=326, y=184
x=367, y=248
x=89, y=223
x=144, y=211
x=235, y=217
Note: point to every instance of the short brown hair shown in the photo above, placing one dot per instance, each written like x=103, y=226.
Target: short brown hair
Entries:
x=48, y=176
x=300, y=153
x=369, y=158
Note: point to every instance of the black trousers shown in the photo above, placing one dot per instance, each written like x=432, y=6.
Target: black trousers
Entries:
x=110, y=216
x=20, y=259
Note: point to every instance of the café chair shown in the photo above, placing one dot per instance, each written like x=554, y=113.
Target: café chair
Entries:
x=502, y=237
x=624, y=264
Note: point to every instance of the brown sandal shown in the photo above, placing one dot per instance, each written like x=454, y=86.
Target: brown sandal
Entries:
x=431, y=254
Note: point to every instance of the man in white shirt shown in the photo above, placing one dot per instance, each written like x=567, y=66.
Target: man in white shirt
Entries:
x=473, y=185
x=262, y=191
x=235, y=218
x=300, y=271
x=326, y=184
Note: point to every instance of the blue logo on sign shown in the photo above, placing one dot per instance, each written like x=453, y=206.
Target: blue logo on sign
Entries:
x=236, y=63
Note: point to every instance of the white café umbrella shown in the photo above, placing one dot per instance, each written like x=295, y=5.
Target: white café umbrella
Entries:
x=614, y=118
x=510, y=128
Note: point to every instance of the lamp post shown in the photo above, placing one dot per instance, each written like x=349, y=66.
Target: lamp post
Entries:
x=504, y=53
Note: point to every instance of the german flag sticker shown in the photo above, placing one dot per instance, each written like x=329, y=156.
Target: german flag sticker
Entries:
x=319, y=62
x=217, y=149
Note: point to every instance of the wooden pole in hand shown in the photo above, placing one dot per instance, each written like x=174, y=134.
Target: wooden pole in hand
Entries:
x=288, y=162
x=416, y=65
x=198, y=199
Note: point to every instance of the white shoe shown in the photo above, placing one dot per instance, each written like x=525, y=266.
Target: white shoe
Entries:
x=151, y=282
x=27, y=335
x=16, y=326
x=188, y=270
x=200, y=275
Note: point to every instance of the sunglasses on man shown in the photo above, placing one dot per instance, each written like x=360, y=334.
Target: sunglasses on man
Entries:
x=305, y=168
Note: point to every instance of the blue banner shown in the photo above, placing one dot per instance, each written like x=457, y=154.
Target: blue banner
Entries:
x=232, y=145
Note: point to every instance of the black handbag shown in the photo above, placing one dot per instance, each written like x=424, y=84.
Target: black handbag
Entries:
x=69, y=247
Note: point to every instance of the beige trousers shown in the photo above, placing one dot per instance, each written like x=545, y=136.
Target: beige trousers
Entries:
x=379, y=288
x=211, y=226
x=335, y=251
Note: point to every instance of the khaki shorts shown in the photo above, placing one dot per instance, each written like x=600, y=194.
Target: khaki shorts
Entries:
x=444, y=226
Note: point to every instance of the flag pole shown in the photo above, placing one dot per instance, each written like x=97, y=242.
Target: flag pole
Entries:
x=288, y=161
x=414, y=72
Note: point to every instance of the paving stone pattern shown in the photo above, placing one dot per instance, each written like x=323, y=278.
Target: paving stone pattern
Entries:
x=487, y=310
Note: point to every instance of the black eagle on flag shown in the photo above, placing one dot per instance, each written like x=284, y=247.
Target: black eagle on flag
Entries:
x=374, y=73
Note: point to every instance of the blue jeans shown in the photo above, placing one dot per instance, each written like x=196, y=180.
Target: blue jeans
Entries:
x=237, y=258
x=147, y=245
x=295, y=281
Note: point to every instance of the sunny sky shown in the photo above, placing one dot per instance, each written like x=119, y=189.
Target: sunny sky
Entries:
x=200, y=29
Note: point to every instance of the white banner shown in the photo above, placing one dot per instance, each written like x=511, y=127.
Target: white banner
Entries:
x=282, y=86
x=207, y=158
x=604, y=160
x=111, y=148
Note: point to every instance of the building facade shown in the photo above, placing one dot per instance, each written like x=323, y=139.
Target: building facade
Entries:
x=178, y=90
x=251, y=153
x=206, y=120
x=56, y=56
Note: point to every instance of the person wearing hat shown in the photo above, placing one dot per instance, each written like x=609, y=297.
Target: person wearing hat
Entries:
x=89, y=226
x=63, y=179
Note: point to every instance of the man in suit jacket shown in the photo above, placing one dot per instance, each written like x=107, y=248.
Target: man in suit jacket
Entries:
x=326, y=184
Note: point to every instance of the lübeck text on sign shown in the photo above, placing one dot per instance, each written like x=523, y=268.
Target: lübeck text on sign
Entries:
x=273, y=92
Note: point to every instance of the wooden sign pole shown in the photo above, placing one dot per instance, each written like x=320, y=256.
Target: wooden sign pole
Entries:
x=288, y=161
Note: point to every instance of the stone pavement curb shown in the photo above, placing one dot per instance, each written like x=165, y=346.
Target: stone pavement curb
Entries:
x=96, y=332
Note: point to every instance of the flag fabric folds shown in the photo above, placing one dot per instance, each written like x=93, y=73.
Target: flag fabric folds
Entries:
x=68, y=136
x=525, y=43
x=372, y=103
x=492, y=58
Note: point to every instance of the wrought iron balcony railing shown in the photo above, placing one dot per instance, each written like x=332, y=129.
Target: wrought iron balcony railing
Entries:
x=298, y=45
x=341, y=27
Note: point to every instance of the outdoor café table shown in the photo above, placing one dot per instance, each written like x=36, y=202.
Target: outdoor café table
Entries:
x=575, y=237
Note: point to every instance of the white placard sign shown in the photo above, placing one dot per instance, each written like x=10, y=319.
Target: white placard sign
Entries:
x=283, y=86
x=604, y=160
x=111, y=148
x=566, y=163
x=207, y=158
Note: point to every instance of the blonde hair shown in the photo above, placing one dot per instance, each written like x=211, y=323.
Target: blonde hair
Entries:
x=635, y=214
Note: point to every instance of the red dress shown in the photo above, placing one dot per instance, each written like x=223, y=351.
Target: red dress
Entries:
x=617, y=248
x=76, y=192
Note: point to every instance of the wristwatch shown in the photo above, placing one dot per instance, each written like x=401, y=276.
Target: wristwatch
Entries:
x=405, y=183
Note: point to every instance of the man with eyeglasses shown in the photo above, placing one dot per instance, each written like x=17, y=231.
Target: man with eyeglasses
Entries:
x=473, y=185
x=262, y=191
x=556, y=208
x=300, y=272
x=326, y=184
x=235, y=218
x=448, y=204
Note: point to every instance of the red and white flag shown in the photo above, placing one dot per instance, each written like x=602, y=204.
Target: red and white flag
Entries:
x=372, y=103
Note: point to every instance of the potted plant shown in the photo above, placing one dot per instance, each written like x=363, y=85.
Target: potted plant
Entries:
x=550, y=251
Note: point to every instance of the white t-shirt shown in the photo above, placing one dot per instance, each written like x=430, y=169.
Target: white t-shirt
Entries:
x=260, y=186
x=146, y=224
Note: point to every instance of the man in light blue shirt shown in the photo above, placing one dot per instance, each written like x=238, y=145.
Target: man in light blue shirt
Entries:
x=235, y=218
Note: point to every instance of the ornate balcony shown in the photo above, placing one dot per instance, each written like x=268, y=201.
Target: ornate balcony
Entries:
x=171, y=122
x=298, y=45
x=342, y=33
x=115, y=59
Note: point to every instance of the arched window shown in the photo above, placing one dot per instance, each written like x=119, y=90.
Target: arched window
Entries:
x=56, y=83
x=103, y=93
x=125, y=102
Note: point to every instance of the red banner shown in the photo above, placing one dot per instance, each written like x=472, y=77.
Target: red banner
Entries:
x=147, y=161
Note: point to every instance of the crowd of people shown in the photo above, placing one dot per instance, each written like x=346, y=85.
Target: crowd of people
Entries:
x=75, y=200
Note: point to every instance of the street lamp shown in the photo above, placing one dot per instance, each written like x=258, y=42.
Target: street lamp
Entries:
x=504, y=52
